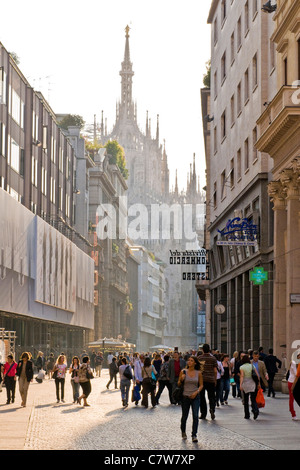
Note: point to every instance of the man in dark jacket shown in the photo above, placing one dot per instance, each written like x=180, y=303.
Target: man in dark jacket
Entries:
x=176, y=364
x=271, y=362
x=208, y=367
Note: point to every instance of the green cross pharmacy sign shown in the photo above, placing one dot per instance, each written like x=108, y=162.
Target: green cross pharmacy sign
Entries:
x=258, y=276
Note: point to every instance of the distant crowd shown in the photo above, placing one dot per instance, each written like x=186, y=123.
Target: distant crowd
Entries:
x=199, y=380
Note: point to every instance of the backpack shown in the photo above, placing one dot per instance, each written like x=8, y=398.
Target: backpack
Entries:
x=127, y=373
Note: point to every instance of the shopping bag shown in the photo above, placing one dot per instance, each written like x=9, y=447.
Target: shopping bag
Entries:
x=260, y=399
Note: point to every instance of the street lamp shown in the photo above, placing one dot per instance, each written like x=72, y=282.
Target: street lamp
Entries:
x=269, y=8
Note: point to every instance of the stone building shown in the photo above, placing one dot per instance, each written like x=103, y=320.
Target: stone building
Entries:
x=279, y=136
x=239, y=223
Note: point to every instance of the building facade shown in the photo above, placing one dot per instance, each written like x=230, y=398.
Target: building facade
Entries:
x=239, y=222
x=279, y=136
x=43, y=297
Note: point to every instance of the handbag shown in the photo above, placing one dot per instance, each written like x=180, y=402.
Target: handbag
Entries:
x=54, y=376
x=89, y=374
x=177, y=394
x=260, y=399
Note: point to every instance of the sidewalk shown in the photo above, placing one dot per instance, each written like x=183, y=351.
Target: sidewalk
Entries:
x=273, y=429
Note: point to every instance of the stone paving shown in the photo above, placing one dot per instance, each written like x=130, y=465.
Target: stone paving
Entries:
x=105, y=425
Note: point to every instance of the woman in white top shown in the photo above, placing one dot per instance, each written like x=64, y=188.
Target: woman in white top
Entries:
x=248, y=386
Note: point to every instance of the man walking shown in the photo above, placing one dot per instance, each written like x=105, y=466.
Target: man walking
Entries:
x=261, y=370
x=271, y=362
x=176, y=364
x=208, y=367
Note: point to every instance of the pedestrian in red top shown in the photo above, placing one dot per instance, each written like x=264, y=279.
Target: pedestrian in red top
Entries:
x=9, y=378
x=176, y=364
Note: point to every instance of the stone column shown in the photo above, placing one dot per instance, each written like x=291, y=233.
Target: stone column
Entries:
x=290, y=179
x=277, y=195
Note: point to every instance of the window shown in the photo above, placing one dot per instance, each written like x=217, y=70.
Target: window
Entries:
x=216, y=31
x=52, y=190
x=34, y=165
x=223, y=67
x=2, y=86
x=246, y=149
x=223, y=125
x=246, y=17
x=215, y=195
x=14, y=155
x=239, y=98
x=2, y=139
x=285, y=71
x=53, y=149
x=231, y=174
x=215, y=139
x=239, y=33
x=215, y=84
x=255, y=9
x=246, y=90
x=254, y=139
x=223, y=180
x=232, y=110
x=44, y=181
x=254, y=71
x=239, y=164
x=272, y=55
x=45, y=137
x=232, y=47
x=223, y=11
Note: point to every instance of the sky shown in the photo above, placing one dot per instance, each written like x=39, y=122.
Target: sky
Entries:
x=72, y=50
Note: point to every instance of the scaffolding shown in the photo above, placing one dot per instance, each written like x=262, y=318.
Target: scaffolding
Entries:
x=7, y=343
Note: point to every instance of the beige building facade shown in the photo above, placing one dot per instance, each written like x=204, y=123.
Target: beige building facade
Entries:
x=279, y=136
x=243, y=80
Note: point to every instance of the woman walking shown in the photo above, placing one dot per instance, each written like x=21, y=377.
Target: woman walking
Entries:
x=125, y=372
x=25, y=374
x=248, y=386
x=9, y=378
x=192, y=381
x=225, y=380
x=74, y=371
x=59, y=373
x=85, y=375
x=148, y=385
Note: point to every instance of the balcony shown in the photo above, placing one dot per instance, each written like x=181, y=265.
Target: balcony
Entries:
x=280, y=121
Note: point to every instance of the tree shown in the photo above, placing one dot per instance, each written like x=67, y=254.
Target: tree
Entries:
x=72, y=120
x=117, y=156
x=206, y=77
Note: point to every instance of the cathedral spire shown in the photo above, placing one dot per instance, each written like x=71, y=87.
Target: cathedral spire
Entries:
x=127, y=105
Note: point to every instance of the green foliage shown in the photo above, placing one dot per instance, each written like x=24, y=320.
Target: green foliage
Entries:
x=117, y=156
x=206, y=77
x=72, y=120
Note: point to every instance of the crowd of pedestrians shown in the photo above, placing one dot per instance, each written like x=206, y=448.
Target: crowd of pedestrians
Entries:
x=199, y=381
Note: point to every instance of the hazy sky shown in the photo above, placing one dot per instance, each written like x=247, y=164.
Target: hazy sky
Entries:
x=72, y=51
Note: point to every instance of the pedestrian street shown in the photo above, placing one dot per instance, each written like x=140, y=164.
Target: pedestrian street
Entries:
x=105, y=425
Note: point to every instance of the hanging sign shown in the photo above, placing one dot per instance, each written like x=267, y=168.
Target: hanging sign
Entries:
x=258, y=276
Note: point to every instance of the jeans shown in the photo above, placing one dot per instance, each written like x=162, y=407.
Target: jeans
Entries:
x=224, y=389
x=186, y=404
x=112, y=377
x=254, y=406
x=161, y=385
x=60, y=382
x=210, y=388
x=75, y=388
x=125, y=386
x=270, y=383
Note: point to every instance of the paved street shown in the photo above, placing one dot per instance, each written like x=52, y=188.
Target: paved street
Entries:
x=46, y=425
